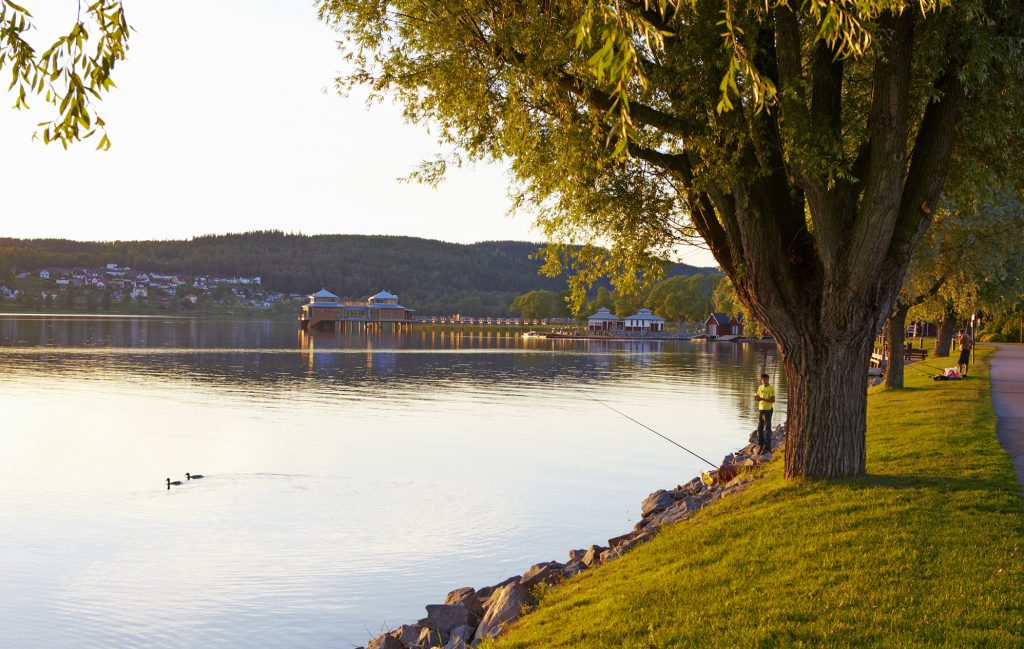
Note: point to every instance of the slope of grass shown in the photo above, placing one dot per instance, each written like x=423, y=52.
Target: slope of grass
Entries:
x=926, y=550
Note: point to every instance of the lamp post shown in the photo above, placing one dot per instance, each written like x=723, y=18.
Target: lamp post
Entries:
x=973, y=318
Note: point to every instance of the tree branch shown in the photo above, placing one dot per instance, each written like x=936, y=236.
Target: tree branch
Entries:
x=888, y=126
x=644, y=114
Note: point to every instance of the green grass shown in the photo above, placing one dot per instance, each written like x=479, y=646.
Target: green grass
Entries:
x=926, y=550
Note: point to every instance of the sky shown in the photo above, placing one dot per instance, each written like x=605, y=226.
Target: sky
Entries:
x=225, y=120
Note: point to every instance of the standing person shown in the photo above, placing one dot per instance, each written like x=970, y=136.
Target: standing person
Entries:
x=966, y=343
x=765, y=398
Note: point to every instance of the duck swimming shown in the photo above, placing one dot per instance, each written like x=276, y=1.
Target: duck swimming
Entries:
x=174, y=482
x=193, y=476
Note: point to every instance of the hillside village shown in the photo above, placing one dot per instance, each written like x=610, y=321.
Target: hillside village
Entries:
x=112, y=283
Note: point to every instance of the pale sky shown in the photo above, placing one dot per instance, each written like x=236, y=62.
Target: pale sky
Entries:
x=225, y=120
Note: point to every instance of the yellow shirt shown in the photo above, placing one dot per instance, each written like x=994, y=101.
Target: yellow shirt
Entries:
x=765, y=392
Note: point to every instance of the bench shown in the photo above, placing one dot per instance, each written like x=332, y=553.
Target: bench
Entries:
x=877, y=360
x=912, y=354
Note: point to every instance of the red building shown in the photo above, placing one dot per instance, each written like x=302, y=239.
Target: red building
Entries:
x=719, y=324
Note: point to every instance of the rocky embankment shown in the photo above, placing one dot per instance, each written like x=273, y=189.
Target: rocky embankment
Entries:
x=469, y=616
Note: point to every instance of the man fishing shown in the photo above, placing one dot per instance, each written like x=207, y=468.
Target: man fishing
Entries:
x=765, y=398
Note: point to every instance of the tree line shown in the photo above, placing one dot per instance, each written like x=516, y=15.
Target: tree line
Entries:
x=429, y=276
x=681, y=298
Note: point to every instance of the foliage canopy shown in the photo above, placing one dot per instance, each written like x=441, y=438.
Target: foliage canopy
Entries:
x=69, y=75
x=805, y=143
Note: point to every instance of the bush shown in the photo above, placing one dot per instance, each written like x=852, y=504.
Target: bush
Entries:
x=1011, y=328
x=993, y=337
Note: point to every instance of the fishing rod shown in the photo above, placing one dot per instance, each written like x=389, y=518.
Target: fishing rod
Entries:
x=915, y=367
x=667, y=439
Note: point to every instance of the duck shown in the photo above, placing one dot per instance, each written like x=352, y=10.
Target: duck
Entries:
x=193, y=476
x=173, y=482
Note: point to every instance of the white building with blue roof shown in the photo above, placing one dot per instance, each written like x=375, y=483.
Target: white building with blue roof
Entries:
x=644, y=321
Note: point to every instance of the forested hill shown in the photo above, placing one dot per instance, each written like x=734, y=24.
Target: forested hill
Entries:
x=428, y=275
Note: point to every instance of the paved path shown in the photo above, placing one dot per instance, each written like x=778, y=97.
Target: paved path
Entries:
x=1008, y=399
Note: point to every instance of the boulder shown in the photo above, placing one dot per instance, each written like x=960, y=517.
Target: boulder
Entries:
x=468, y=598
x=609, y=555
x=593, y=556
x=407, y=634
x=430, y=638
x=573, y=568
x=734, y=488
x=461, y=637
x=445, y=617
x=576, y=554
x=658, y=501
x=547, y=573
x=385, y=641
x=672, y=516
x=632, y=543
x=616, y=541
x=485, y=593
x=697, y=486
x=505, y=606
x=459, y=595
x=726, y=473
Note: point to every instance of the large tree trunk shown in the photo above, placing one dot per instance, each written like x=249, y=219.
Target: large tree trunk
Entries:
x=894, y=372
x=944, y=339
x=826, y=408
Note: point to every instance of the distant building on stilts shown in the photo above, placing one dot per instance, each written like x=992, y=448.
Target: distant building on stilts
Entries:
x=324, y=311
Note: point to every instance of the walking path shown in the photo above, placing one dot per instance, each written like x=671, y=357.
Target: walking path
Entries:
x=1008, y=400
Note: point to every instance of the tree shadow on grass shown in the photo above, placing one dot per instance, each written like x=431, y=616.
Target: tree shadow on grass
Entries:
x=911, y=481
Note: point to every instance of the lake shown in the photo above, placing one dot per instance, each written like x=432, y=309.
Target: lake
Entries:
x=349, y=479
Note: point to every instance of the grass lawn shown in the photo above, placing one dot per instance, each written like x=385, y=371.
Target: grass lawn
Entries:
x=927, y=550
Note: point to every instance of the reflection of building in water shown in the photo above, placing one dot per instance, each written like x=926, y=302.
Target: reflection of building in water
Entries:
x=322, y=350
x=324, y=311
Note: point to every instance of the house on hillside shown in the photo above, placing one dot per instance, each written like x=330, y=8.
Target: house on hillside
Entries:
x=720, y=324
x=603, y=320
x=644, y=321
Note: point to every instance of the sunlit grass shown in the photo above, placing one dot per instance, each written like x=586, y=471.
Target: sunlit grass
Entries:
x=926, y=550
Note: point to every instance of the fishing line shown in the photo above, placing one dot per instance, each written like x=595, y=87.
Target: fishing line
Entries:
x=667, y=439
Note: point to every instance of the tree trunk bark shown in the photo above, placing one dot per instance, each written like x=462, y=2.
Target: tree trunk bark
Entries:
x=894, y=373
x=944, y=339
x=827, y=406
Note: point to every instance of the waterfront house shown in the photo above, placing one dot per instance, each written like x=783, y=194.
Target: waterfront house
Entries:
x=323, y=307
x=719, y=324
x=603, y=320
x=644, y=321
x=324, y=310
x=384, y=306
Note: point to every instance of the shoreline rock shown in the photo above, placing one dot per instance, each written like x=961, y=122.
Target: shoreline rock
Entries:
x=469, y=616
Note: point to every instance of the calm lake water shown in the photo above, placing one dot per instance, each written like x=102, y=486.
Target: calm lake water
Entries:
x=350, y=479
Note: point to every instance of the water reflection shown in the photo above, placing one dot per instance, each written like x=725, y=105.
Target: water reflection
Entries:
x=350, y=478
